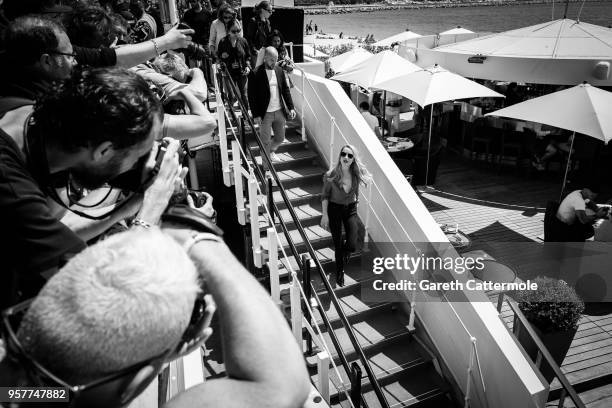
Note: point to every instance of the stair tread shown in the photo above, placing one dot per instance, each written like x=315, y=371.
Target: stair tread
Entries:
x=314, y=233
x=290, y=156
x=305, y=213
x=301, y=171
x=409, y=390
x=371, y=330
x=306, y=191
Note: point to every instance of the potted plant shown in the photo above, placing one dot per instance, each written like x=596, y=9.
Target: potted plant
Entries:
x=553, y=310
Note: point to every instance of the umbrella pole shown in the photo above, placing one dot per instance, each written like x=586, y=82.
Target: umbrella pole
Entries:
x=429, y=144
x=569, y=156
x=384, y=115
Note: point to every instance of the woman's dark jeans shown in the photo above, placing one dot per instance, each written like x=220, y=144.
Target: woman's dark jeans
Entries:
x=241, y=84
x=343, y=214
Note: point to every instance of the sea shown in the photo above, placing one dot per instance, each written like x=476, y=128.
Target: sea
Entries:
x=479, y=19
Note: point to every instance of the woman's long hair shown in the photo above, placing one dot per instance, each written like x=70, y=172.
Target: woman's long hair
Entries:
x=281, y=48
x=358, y=171
x=239, y=47
x=225, y=8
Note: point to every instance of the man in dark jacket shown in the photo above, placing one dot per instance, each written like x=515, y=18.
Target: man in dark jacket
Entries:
x=270, y=101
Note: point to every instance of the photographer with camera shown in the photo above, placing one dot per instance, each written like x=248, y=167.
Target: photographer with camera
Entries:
x=109, y=320
x=92, y=128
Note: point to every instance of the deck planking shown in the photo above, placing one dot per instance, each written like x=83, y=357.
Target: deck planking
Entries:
x=499, y=211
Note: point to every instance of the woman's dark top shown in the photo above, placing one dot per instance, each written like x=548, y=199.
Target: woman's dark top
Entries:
x=257, y=32
x=334, y=192
x=235, y=58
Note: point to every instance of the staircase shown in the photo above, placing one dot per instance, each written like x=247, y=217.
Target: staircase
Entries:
x=405, y=371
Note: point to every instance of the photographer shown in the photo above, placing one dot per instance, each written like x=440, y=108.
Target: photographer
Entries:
x=101, y=315
x=92, y=128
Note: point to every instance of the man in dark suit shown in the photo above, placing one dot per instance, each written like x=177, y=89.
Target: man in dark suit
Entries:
x=270, y=101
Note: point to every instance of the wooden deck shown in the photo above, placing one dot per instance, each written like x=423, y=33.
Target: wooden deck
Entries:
x=501, y=212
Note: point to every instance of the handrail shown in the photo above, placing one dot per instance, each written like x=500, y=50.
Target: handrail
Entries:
x=543, y=351
x=349, y=329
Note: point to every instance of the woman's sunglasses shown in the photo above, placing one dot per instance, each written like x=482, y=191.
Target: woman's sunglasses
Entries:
x=235, y=31
x=345, y=154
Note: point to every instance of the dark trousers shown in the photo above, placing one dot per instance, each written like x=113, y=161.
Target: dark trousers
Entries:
x=338, y=215
x=241, y=84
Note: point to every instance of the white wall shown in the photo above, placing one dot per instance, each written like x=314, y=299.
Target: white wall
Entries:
x=398, y=215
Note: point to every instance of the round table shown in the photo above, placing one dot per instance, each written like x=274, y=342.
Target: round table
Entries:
x=494, y=271
x=395, y=144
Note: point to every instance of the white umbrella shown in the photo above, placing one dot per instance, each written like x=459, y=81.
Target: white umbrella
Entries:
x=559, y=52
x=397, y=38
x=457, y=30
x=583, y=108
x=433, y=85
x=377, y=68
x=342, y=62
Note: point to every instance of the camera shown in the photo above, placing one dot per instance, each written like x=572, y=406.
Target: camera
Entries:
x=139, y=177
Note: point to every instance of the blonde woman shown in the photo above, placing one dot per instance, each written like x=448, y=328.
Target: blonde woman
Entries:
x=339, y=201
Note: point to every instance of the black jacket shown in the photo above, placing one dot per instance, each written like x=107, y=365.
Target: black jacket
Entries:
x=259, y=92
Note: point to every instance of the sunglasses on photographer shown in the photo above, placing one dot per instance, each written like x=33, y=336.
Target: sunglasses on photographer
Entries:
x=108, y=390
x=345, y=154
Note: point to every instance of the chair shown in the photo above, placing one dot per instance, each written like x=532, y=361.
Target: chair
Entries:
x=553, y=231
x=511, y=140
x=479, y=137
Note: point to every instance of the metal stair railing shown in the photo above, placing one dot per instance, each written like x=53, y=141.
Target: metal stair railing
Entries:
x=543, y=353
x=310, y=250
x=474, y=360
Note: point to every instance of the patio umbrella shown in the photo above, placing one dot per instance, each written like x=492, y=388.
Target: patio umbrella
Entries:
x=342, y=62
x=559, y=52
x=397, y=38
x=432, y=85
x=457, y=30
x=583, y=108
x=377, y=68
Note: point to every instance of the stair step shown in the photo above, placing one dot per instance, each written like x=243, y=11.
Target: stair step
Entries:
x=306, y=193
x=352, y=305
x=308, y=214
x=318, y=237
x=300, y=175
x=373, y=331
x=291, y=159
x=291, y=143
x=414, y=388
x=353, y=273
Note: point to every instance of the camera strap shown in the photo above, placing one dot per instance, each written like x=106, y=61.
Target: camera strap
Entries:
x=38, y=164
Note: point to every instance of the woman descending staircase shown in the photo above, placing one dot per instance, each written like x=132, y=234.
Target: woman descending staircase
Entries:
x=406, y=372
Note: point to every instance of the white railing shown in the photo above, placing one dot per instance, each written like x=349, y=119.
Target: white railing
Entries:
x=248, y=208
x=406, y=220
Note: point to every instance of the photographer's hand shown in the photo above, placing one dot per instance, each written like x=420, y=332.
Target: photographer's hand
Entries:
x=168, y=179
x=175, y=39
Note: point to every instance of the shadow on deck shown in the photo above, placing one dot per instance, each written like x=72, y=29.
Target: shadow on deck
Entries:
x=501, y=212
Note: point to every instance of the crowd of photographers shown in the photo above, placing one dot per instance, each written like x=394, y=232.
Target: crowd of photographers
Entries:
x=94, y=101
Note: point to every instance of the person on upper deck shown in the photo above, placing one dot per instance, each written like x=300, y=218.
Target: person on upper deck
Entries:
x=258, y=29
x=218, y=28
x=573, y=213
x=270, y=101
x=339, y=205
x=364, y=109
